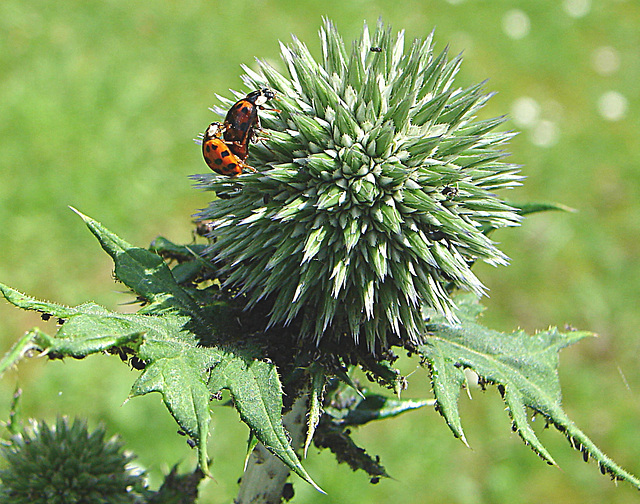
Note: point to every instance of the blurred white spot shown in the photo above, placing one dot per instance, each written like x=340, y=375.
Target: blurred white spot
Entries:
x=612, y=106
x=605, y=60
x=577, y=8
x=515, y=24
x=455, y=2
x=545, y=134
x=525, y=111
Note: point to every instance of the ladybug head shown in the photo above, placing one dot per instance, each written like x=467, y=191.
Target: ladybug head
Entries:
x=213, y=130
x=261, y=96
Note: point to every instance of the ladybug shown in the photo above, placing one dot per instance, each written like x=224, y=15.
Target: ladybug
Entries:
x=242, y=121
x=218, y=155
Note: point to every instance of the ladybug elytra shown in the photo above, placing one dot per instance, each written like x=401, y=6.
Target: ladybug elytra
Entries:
x=218, y=155
x=242, y=121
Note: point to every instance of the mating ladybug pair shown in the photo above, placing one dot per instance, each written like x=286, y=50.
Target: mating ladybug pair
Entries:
x=225, y=146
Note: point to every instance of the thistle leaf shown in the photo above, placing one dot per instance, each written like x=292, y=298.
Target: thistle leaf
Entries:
x=175, y=338
x=177, y=374
x=531, y=208
x=316, y=395
x=380, y=407
x=257, y=395
x=523, y=367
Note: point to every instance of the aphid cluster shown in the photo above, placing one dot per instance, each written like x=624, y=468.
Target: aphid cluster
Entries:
x=225, y=146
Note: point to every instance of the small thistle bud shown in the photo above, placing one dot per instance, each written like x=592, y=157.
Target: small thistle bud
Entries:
x=374, y=186
x=65, y=464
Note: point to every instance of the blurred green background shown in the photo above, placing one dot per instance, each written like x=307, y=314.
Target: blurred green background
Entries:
x=99, y=103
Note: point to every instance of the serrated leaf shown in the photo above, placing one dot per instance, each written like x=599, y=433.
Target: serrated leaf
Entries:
x=257, y=395
x=163, y=246
x=524, y=367
x=173, y=336
x=26, y=302
x=386, y=375
x=142, y=271
x=316, y=395
x=379, y=407
x=344, y=377
x=446, y=381
x=531, y=208
x=179, y=378
x=338, y=440
x=174, y=363
x=19, y=349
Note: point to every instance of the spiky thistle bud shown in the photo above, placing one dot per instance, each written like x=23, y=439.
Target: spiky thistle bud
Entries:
x=375, y=187
x=66, y=464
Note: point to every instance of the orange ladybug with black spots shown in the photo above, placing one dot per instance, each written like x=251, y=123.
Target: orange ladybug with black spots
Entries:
x=218, y=155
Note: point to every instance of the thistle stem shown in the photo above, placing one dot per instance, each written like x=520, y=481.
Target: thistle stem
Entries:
x=265, y=476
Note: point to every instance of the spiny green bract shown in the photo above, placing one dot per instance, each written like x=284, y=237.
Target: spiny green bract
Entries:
x=375, y=184
x=65, y=464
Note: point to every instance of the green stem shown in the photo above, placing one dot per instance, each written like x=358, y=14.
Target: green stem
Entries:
x=265, y=476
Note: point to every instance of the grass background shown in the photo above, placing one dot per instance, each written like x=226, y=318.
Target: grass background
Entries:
x=100, y=100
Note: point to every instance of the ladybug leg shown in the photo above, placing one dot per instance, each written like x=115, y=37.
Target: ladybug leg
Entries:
x=224, y=127
x=246, y=166
x=262, y=139
x=269, y=109
x=258, y=135
x=257, y=129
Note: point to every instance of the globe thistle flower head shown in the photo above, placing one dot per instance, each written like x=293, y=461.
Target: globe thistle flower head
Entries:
x=375, y=187
x=66, y=464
